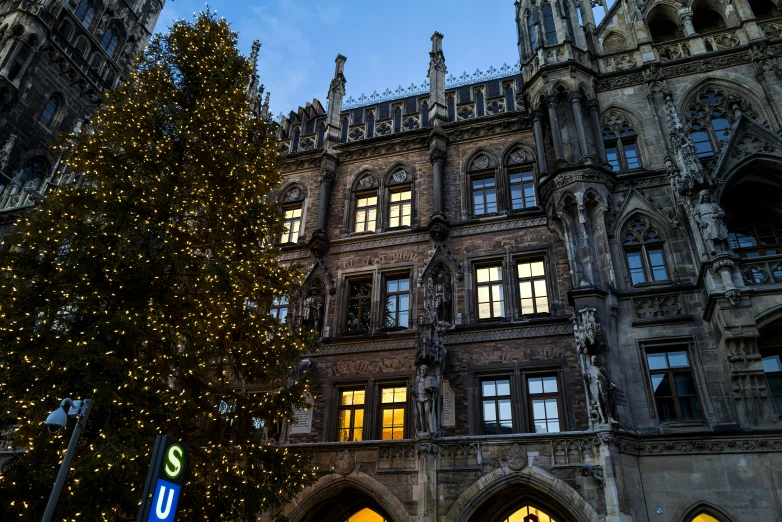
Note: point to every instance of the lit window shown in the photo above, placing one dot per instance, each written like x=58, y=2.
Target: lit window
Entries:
x=496, y=401
x=398, y=303
x=544, y=403
x=532, y=287
x=292, y=225
x=351, y=415
x=522, y=190
x=279, y=308
x=49, y=111
x=366, y=515
x=675, y=395
x=85, y=12
x=359, y=318
x=392, y=413
x=400, y=208
x=490, y=295
x=484, y=195
x=366, y=213
x=530, y=514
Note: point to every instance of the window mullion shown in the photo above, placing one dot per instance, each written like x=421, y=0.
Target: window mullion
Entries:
x=620, y=152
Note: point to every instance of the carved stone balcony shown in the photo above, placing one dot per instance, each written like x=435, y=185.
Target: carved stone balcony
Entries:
x=700, y=44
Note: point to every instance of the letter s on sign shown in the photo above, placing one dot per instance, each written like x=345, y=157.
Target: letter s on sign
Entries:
x=173, y=464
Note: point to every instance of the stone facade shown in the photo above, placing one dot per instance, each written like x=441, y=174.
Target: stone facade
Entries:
x=56, y=57
x=650, y=142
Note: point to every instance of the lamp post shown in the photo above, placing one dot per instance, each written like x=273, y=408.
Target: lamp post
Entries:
x=59, y=419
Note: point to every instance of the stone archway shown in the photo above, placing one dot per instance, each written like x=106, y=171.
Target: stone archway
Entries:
x=547, y=491
x=338, y=495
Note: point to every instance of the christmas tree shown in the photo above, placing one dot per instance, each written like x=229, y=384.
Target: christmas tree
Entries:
x=146, y=287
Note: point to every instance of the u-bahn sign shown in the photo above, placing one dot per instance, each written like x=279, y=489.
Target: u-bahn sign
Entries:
x=164, y=481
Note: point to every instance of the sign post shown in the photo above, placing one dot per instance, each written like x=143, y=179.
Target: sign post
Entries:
x=164, y=481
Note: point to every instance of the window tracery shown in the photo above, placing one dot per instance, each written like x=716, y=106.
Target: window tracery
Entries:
x=710, y=117
x=644, y=253
x=621, y=142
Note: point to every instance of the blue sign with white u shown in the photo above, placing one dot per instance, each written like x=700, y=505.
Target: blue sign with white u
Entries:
x=164, y=501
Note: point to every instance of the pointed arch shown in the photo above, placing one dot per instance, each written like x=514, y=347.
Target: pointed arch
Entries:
x=527, y=147
x=645, y=250
x=705, y=508
x=396, y=166
x=754, y=106
x=614, y=42
x=556, y=495
x=333, y=486
x=470, y=165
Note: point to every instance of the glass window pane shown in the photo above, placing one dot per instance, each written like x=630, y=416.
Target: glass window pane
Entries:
x=525, y=289
x=613, y=157
x=666, y=409
x=503, y=387
x=631, y=155
x=540, y=288
x=489, y=389
x=387, y=395
x=528, y=306
x=489, y=411
x=505, y=413
x=404, y=285
x=393, y=285
x=691, y=410
x=539, y=409
x=535, y=384
x=358, y=419
x=542, y=305
x=678, y=360
x=388, y=418
x=483, y=294
x=661, y=385
x=400, y=394
x=525, y=270
x=772, y=364
x=537, y=269
x=552, y=410
x=684, y=384
x=358, y=397
x=656, y=361
x=484, y=311
x=550, y=384
x=344, y=419
x=553, y=426
x=347, y=398
x=483, y=275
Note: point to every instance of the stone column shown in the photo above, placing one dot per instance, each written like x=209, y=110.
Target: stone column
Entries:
x=556, y=133
x=438, y=108
x=540, y=145
x=437, y=156
x=578, y=114
x=426, y=490
x=326, y=179
x=686, y=17
x=594, y=118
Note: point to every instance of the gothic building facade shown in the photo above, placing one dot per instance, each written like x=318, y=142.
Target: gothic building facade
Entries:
x=550, y=291
x=56, y=57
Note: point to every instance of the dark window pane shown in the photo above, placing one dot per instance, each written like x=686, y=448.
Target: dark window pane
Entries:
x=666, y=410
x=631, y=155
x=613, y=157
x=636, y=267
x=548, y=23
x=657, y=361
x=684, y=384
x=678, y=360
x=661, y=384
x=691, y=410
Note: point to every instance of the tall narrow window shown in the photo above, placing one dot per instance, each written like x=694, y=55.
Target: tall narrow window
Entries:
x=424, y=114
x=296, y=139
x=292, y=225
x=451, y=109
x=621, y=145
x=351, y=415
x=49, y=112
x=533, y=40
x=279, y=308
x=370, y=124
x=644, y=252
x=479, y=107
x=491, y=303
x=532, y=288
x=400, y=208
x=772, y=365
x=392, y=413
x=343, y=132
x=321, y=134
x=484, y=195
x=510, y=98
x=548, y=24
x=366, y=212
x=398, y=303
x=110, y=40
x=359, y=316
x=675, y=395
x=544, y=403
x=496, y=406
x=522, y=189
x=397, y=119
x=85, y=12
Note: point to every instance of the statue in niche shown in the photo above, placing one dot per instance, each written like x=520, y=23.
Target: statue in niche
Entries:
x=426, y=391
x=711, y=219
x=438, y=304
x=599, y=388
x=313, y=310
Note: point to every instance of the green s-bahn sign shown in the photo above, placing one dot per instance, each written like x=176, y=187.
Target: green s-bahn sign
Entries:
x=164, y=481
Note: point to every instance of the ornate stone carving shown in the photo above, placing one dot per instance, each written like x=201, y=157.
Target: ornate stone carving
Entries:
x=293, y=194
x=711, y=220
x=599, y=388
x=366, y=182
x=515, y=457
x=426, y=446
x=399, y=176
x=481, y=162
x=587, y=331
x=517, y=156
x=314, y=305
x=344, y=464
x=438, y=156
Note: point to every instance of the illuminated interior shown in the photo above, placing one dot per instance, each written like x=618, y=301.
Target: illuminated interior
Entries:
x=367, y=515
x=531, y=514
x=703, y=517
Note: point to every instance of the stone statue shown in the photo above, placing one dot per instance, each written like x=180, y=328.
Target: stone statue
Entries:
x=586, y=329
x=313, y=310
x=442, y=297
x=599, y=386
x=426, y=391
x=711, y=218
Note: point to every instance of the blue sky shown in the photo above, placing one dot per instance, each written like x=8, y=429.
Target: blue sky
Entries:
x=387, y=43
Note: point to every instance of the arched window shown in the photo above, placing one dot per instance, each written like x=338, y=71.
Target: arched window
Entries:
x=521, y=180
x=451, y=108
x=343, y=131
x=82, y=46
x=111, y=37
x=370, y=124
x=706, y=19
x=50, y=111
x=85, y=12
x=710, y=117
x=703, y=517
x=533, y=44
x=479, y=107
x=764, y=9
x=424, y=113
x=483, y=185
x=365, y=204
x=530, y=514
x=620, y=143
x=397, y=119
x=644, y=252
x=66, y=29
x=548, y=25
x=292, y=207
x=296, y=138
x=399, y=194
x=366, y=515
x=510, y=98
x=664, y=24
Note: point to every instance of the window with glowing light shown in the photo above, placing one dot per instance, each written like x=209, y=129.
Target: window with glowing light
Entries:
x=392, y=412
x=533, y=291
x=400, y=207
x=366, y=212
x=529, y=514
x=351, y=415
x=491, y=303
x=292, y=224
x=366, y=515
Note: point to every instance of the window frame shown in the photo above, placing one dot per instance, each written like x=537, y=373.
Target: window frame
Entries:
x=111, y=40
x=357, y=280
x=357, y=196
x=287, y=231
x=340, y=389
x=397, y=189
x=751, y=225
x=89, y=9
x=483, y=174
x=489, y=264
x=549, y=31
x=530, y=397
x=669, y=346
x=496, y=398
x=519, y=260
x=381, y=407
x=58, y=105
x=386, y=278
x=522, y=168
x=619, y=142
x=642, y=248
x=277, y=305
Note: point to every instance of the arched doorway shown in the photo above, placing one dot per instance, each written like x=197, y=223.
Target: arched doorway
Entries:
x=530, y=514
x=367, y=515
x=350, y=505
x=520, y=504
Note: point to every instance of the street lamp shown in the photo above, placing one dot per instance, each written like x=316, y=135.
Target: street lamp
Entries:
x=59, y=419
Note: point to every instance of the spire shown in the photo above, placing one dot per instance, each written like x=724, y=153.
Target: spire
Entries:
x=252, y=82
x=438, y=110
x=336, y=93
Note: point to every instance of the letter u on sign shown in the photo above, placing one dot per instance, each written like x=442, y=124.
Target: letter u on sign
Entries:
x=164, y=502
